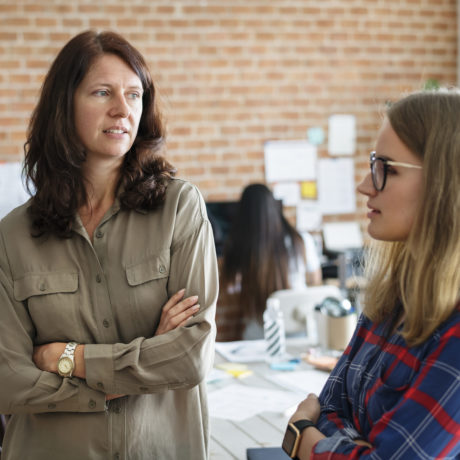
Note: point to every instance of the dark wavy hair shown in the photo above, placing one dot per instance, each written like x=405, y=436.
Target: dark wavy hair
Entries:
x=256, y=253
x=54, y=154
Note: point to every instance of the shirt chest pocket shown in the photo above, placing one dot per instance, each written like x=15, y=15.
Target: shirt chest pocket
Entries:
x=148, y=282
x=155, y=267
x=52, y=300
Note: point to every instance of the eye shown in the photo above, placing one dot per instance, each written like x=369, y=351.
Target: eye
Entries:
x=101, y=92
x=134, y=95
x=391, y=169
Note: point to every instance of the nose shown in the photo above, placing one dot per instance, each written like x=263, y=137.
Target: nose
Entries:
x=366, y=187
x=120, y=107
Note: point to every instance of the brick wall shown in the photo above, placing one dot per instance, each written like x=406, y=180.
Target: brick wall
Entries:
x=234, y=73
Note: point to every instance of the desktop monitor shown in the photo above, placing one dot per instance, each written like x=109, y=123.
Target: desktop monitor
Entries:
x=221, y=215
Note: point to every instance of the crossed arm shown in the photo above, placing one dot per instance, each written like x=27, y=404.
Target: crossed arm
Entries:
x=175, y=313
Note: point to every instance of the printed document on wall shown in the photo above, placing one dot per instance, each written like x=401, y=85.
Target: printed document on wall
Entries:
x=291, y=160
x=342, y=134
x=12, y=191
x=336, y=186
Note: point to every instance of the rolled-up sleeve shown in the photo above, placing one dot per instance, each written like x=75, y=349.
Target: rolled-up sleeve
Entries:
x=25, y=388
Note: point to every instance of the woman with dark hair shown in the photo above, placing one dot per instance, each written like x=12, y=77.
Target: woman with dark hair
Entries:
x=95, y=361
x=264, y=253
x=395, y=392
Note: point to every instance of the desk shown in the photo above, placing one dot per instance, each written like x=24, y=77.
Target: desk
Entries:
x=230, y=439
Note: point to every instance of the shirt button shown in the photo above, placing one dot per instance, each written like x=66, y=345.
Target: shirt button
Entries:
x=99, y=234
x=98, y=278
x=117, y=409
x=92, y=404
x=51, y=406
x=116, y=456
x=100, y=385
x=42, y=287
x=106, y=323
x=162, y=268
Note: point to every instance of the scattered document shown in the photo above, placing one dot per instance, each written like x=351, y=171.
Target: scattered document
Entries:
x=239, y=402
x=242, y=351
x=291, y=160
x=301, y=382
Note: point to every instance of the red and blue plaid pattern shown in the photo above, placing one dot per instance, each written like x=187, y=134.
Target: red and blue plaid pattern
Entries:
x=405, y=401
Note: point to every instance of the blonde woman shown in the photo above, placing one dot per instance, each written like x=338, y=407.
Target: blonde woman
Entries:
x=395, y=393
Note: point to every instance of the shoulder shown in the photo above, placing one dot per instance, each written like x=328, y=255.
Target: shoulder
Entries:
x=185, y=207
x=185, y=197
x=17, y=221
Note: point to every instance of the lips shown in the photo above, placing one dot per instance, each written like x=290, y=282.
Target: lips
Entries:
x=116, y=130
x=372, y=211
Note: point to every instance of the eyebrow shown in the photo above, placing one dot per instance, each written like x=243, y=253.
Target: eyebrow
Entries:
x=109, y=85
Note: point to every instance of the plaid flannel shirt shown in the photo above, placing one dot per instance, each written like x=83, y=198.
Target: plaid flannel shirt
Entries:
x=404, y=401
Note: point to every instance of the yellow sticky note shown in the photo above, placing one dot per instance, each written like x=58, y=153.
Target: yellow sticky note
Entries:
x=308, y=190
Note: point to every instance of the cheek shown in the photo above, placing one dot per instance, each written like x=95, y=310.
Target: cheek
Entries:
x=84, y=120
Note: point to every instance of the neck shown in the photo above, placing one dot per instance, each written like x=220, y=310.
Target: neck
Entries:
x=101, y=179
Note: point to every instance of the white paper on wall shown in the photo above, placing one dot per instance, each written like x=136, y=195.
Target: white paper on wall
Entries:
x=309, y=217
x=291, y=160
x=288, y=192
x=336, y=186
x=342, y=135
x=12, y=191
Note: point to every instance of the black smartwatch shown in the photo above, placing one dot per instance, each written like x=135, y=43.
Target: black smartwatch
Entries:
x=291, y=439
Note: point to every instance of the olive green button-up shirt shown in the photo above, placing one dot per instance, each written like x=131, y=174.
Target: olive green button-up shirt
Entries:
x=108, y=295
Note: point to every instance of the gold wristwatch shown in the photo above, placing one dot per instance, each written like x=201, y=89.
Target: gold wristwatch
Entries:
x=66, y=362
x=291, y=439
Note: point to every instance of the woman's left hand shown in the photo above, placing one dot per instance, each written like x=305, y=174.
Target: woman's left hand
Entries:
x=309, y=409
x=177, y=311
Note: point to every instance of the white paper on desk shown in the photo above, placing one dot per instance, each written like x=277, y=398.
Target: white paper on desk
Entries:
x=291, y=160
x=336, y=186
x=12, y=191
x=302, y=382
x=242, y=351
x=239, y=402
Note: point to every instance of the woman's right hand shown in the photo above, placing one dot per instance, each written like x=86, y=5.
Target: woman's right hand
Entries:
x=176, y=311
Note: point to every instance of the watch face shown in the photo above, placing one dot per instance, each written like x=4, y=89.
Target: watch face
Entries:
x=65, y=365
x=290, y=441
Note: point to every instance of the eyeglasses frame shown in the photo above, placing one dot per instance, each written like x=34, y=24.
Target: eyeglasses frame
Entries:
x=374, y=157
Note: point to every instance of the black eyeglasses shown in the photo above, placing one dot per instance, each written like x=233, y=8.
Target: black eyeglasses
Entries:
x=379, y=168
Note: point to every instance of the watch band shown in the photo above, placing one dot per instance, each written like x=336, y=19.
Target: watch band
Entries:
x=291, y=441
x=69, y=356
x=302, y=424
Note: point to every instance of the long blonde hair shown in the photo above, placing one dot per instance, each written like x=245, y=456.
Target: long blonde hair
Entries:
x=422, y=274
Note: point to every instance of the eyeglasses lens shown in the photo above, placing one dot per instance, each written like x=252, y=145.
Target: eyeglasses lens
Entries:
x=378, y=173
